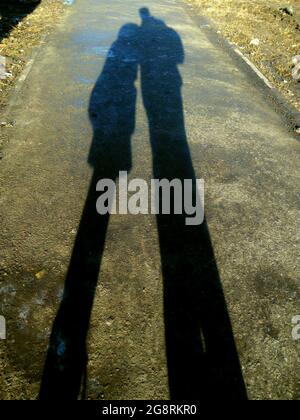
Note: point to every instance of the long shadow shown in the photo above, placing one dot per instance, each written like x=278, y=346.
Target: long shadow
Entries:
x=202, y=358
x=112, y=114
x=12, y=12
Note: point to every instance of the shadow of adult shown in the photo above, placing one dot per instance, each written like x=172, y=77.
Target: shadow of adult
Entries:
x=12, y=12
x=202, y=358
x=112, y=114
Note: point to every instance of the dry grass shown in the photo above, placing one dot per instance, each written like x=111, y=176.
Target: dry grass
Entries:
x=243, y=20
x=17, y=45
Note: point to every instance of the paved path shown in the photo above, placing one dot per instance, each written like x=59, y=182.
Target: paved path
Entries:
x=186, y=312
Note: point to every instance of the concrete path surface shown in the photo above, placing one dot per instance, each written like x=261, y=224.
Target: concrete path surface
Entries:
x=139, y=306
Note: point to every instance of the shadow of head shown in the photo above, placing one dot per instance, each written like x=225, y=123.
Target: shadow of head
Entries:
x=145, y=13
x=128, y=32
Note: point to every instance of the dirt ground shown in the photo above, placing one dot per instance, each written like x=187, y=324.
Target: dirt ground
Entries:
x=242, y=21
x=22, y=26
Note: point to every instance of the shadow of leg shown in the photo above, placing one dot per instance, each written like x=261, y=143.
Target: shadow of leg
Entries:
x=202, y=358
x=67, y=357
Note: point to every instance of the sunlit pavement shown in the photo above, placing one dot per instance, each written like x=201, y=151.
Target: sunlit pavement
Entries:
x=239, y=145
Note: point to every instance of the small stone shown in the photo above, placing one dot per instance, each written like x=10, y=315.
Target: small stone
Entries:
x=8, y=124
x=255, y=42
x=109, y=321
x=289, y=10
x=297, y=128
x=296, y=59
x=296, y=68
x=40, y=275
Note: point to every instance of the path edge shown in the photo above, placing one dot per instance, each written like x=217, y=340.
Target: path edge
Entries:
x=13, y=95
x=290, y=114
